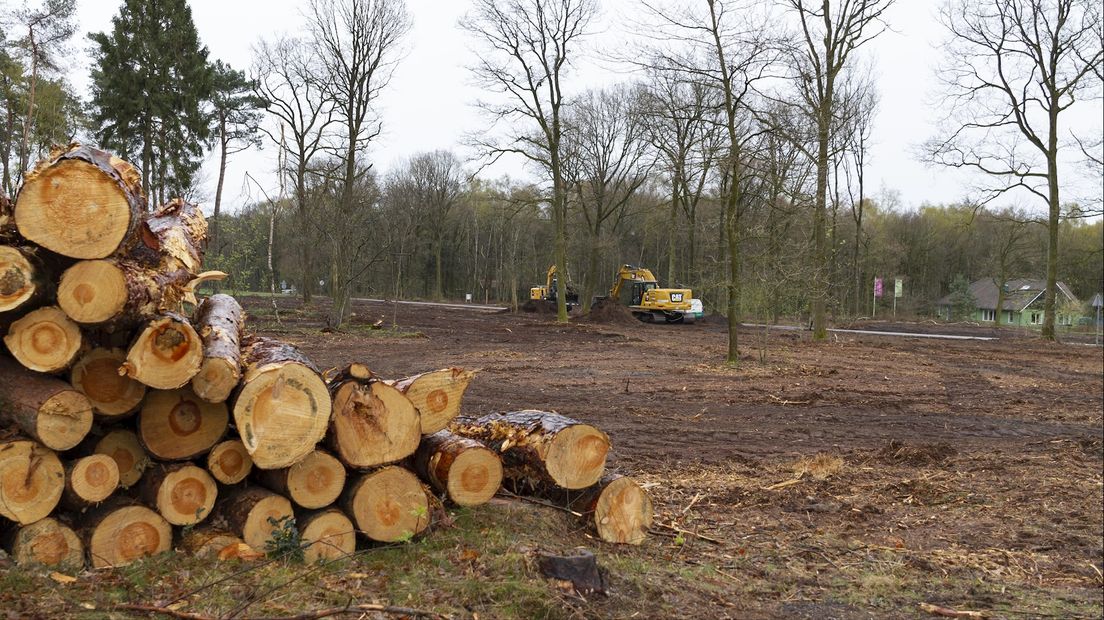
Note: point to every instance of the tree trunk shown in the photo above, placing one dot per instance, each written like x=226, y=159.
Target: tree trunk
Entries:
x=1055, y=210
x=96, y=375
x=127, y=452
x=436, y=395
x=176, y=425
x=283, y=407
x=314, y=482
x=465, y=470
x=373, y=423
x=46, y=542
x=22, y=280
x=387, y=505
x=83, y=203
x=182, y=493
x=31, y=481
x=119, y=532
x=540, y=447
x=47, y=409
x=328, y=535
x=44, y=340
x=223, y=143
x=820, y=251
x=89, y=481
x=166, y=354
x=229, y=462
x=220, y=321
x=254, y=514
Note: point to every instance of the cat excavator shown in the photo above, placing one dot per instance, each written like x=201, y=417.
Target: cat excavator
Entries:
x=548, y=292
x=637, y=288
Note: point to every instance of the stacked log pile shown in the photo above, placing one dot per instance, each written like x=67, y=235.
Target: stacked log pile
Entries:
x=135, y=417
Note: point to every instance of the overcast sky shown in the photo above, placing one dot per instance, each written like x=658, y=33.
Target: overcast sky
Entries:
x=428, y=104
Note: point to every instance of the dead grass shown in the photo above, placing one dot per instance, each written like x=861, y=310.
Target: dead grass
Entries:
x=820, y=466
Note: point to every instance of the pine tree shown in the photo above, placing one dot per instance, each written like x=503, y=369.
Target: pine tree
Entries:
x=149, y=85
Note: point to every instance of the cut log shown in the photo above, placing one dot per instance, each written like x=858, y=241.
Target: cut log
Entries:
x=175, y=425
x=96, y=375
x=219, y=321
x=436, y=395
x=22, y=281
x=46, y=542
x=207, y=542
x=543, y=447
x=119, y=291
x=180, y=492
x=283, y=408
x=119, y=532
x=8, y=230
x=314, y=482
x=373, y=423
x=467, y=471
x=31, y=481
x=44, y=340
x=173, y=238
x=81, y=202
x=229, y=462
x=387, y=505
x=326, y=534
x=166, y=354
x=124, y=448
x=46, y=408
x=89, y=481
x=619, y=509
x=255, y=514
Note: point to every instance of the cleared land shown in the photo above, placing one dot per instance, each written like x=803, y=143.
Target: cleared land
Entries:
x=851, y=479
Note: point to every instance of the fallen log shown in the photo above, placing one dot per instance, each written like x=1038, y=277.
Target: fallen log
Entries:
x=256, y=515
x=229, y=462
x=326, y=534
x=373, y=423
x=46, y=408
x=467, y=471
x=220, y=323
x=120, y=532
x=618, y=508
x=540, y=447
x=176, y=425
x=96, y=375
x=130, y=457
x=46, y=542
x=182, y=493
x=88, y=481
x=166, y=354
x=315, y=481
x=283, y=407
x=387, y=505
x=22, y=281
x=119, y=291
x=207, y=542
x=437, y=395
x=44, y=340
x=80, y=202
x=31, y=480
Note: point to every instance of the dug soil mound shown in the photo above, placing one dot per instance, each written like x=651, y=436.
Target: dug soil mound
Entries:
x=538, y=307
x=609, y=312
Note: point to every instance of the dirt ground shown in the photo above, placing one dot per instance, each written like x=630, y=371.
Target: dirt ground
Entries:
x=856, y=478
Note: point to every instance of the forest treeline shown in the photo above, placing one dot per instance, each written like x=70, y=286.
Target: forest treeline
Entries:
x=733, y=158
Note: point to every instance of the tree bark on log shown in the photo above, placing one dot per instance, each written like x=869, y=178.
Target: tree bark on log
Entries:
x=314, y=482
x=31, y=481
x=282, y=409
x=88, y=481
x=229, y=462
x=373, y=423
x=255, y=514
x=467, y=471
x=120, y=292
x=387, y=505
x=437, y=395
x=44, y=340
x=166, y=354
x=47, y=409
x=173, y=238
x=130, y=457
x=96, y=375
x=220, y=323
x=327, y=534
x=46, y=542
x=81, y=202
x=22, y=279
x=540, y=447
x=120, y=532
x=176, y=425
x=182, y=493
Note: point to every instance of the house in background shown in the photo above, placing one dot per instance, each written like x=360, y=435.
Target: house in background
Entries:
x=1023, y=303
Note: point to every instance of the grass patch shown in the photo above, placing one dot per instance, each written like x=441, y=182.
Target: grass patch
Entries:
x=820, y=466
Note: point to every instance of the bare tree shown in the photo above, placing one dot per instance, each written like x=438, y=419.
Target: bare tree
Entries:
x=1012, y=68
x=865, y=105
x=527, y=46
x=432, y=185
x=358, y=44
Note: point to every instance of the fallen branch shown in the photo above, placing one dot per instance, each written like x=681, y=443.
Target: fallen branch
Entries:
x=947, y=612
x=674, y=528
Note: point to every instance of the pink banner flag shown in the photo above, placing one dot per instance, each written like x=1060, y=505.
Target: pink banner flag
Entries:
x=877, y=287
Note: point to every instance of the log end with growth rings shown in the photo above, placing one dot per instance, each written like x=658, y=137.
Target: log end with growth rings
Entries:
x=166, y=355
x=127, y=534
x=44, y=340
x=93, y=291
x=229, y=462
x=96, y=375
x=17, y=279
x=47, y=542
x=327, y=534
x=31, y=481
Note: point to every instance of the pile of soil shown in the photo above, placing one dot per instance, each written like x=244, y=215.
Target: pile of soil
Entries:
x=538, y=307
x=609, y=312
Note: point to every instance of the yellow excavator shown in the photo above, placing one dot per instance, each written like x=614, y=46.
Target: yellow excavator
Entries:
x=550, y=289
x=637, y=288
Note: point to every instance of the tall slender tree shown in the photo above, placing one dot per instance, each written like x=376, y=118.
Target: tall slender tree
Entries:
x=235, y=116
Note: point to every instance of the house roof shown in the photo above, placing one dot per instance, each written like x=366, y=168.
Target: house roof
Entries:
x=1019, y=293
